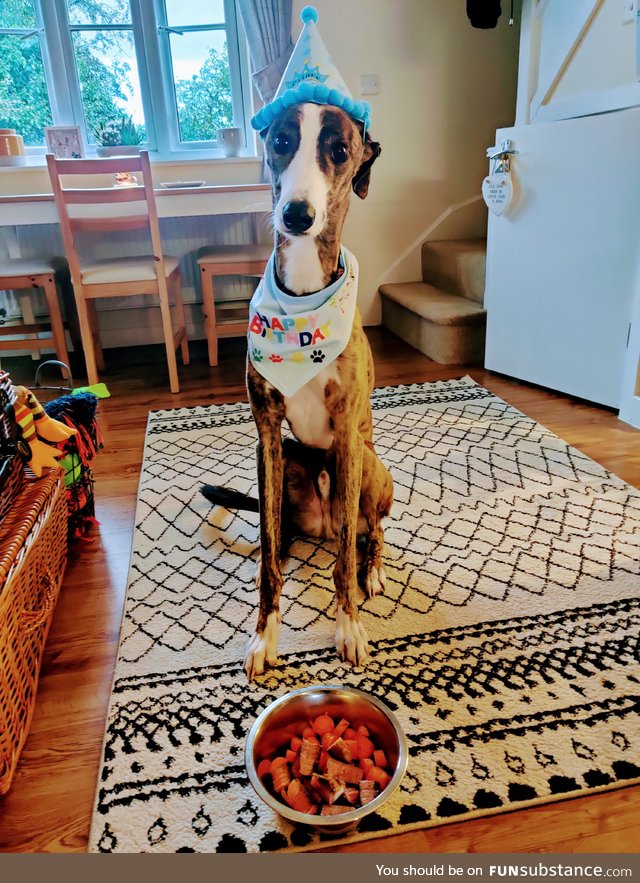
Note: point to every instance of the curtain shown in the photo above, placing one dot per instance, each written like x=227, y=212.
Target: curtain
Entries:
x=268, y=27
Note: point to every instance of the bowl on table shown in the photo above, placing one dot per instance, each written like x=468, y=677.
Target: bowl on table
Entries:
x=279, y=722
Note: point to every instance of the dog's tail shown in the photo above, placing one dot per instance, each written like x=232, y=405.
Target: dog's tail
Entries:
x=222, y=496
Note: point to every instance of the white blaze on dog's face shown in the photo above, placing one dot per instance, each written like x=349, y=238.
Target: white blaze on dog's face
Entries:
x=316, y=156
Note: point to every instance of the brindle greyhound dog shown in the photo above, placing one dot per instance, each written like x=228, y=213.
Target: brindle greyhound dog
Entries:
x=331, y=483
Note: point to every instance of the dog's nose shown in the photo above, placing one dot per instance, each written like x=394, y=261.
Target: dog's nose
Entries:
x=298, y=216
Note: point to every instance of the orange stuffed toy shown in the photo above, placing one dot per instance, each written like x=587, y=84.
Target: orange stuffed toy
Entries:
x=40, y=433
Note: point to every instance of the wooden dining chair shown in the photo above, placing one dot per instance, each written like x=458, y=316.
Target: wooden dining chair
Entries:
x=27, y=274
x=106, y=210
x=228, y=318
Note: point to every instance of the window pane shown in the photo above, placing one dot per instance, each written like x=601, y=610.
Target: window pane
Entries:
x=17, y=14
x=108, y=74
x=103, y=12
x=194, y=12
x=203, y=89
x=24, y=101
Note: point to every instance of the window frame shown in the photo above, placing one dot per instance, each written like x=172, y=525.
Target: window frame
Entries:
x=151, y=38
x=238, y=76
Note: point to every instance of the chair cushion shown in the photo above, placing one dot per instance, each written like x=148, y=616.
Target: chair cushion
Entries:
x=139, y=269
x=228, y=254
x=25, y=267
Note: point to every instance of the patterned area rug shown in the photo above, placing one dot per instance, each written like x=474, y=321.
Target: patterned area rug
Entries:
x=506, y=642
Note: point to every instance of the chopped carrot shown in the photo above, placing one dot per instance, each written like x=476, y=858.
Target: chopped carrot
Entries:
x=341, y=727
x=308, y=733
x=379, y=776
x=365, y=746
x=296, y=744
x=349, y=733
x=380, y=758
x=322, y=763
x=290, y=756
x=298, y=797
x=264, y=768
x=352, y=745
x=365, y=764
x=363, y=731
x=328, y=739
x=323, y=724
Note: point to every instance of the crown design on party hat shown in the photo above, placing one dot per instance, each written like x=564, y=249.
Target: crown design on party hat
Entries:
x=311, y=76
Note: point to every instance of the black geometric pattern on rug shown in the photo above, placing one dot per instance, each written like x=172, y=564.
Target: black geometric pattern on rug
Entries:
x=507, y=640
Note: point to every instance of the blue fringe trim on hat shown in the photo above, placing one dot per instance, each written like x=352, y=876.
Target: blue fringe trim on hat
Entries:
x=315, y=93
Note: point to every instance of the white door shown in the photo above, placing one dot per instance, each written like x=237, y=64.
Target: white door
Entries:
x=562, y=262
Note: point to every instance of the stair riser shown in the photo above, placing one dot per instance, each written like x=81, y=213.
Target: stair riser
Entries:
x=446, y=344
x=455, y=270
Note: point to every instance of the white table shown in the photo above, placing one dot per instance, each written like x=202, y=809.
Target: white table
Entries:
x=179, y=202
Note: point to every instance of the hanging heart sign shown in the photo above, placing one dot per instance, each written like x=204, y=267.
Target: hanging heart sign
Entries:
x=497, y=192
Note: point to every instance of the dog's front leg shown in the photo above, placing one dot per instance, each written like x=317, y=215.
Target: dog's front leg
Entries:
x=268, y=410
x=351, y=637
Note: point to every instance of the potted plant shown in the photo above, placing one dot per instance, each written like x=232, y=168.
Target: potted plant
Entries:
x=118, y=137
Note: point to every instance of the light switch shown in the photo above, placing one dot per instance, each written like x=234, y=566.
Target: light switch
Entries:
x=369, y=84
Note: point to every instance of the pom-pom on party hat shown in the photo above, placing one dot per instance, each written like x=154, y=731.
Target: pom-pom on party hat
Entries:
x=311, y=76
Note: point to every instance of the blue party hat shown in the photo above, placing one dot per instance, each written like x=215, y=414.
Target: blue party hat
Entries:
x=311, y=76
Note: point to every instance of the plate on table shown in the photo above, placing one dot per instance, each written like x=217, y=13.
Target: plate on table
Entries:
x=171, y=185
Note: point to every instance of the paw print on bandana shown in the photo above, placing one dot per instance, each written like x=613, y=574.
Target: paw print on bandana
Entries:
x=257, y=356
x=274, y=357
x=317, y=356
x=297, y=357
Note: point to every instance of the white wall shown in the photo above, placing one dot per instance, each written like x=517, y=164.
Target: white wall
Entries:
x=444, y=89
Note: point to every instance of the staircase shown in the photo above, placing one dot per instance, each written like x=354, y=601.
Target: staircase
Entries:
x=442, y=316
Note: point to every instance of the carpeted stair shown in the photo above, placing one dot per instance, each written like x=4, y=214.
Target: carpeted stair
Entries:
x=442, y=316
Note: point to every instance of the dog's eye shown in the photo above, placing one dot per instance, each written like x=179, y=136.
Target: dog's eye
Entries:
x=339, y=153
x=281, y=143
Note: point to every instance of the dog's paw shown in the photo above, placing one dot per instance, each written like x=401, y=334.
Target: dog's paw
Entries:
x=263, y=648
x=351, y=639
x=375, y=581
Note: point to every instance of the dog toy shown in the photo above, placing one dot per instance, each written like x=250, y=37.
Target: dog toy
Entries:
x=39, y=432
x=79, y=410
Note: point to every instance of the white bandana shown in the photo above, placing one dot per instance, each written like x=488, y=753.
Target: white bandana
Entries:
x=291, y=339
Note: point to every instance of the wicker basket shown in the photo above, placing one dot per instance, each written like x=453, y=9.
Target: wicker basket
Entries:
x=33, y=550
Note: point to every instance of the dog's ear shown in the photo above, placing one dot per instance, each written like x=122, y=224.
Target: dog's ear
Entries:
x=360, y=182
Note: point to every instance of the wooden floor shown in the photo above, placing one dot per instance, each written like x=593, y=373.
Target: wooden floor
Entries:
x=49, y=807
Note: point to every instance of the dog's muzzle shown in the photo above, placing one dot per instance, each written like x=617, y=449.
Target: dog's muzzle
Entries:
x=297, y=217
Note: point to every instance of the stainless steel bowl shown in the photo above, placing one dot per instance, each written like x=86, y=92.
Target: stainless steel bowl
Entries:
x=274, y=728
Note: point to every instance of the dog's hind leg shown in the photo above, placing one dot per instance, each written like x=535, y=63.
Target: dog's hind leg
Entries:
x=268, y=411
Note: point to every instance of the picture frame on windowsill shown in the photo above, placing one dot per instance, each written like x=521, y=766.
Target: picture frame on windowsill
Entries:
x=64, y=142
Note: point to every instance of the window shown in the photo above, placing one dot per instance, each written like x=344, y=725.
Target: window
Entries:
x=177, y=68
x=24, y=98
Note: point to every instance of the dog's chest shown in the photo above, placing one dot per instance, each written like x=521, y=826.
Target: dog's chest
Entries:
x=307, y=414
